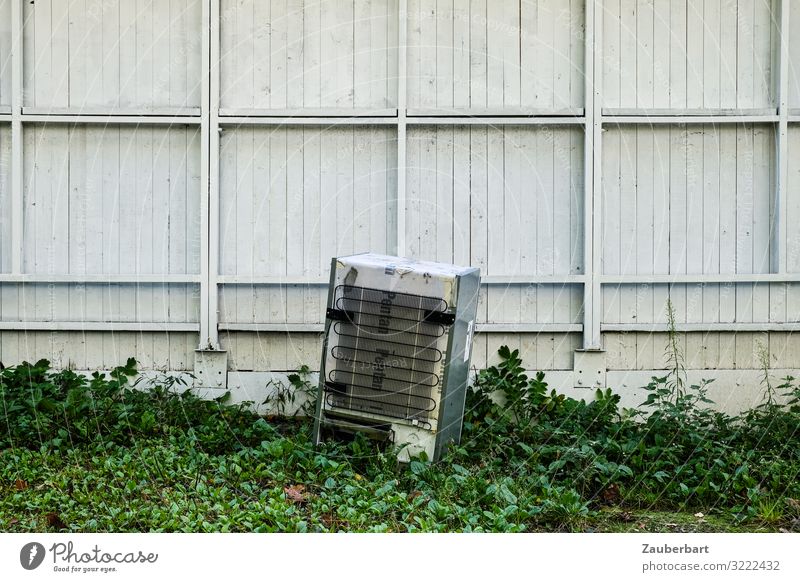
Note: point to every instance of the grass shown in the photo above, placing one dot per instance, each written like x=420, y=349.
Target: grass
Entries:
x=95, y=456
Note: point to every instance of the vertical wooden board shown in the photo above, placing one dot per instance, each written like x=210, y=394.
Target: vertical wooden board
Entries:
x=175, y=208
x=678, y=59
x=294, y=196
x=161, y=176
x=312, y=222
x=763, y=186
x=764, y=29
x=578, y=227
x=345, y=202
x=777, y=302
x=744, y=200
x=744, y=302
x=443, y=209
x=727, y=50
x=5, y=198
x=494, y=203
x=312, y=54
x=337, y=83
x=445, y=54
x=77, y=34
x=612, y=309
x=661, y=46
x=746, y=72
x=628, y=53
x=479, y=248
x=145, y=53
x=252, y=50
x=279, y=29
x=644, y=170
x=610, y=20
x=611, y=202
x=563, y=215
x=294, y=53
x=5, y=52
x=645, y=57
x=711, y=204
x=712, y=55
x=478, y=54
x=461, y=196
x=546, y=66
x=421, y=60
x=575, y=29
x=426, y=196
x=793, y=195
x=59, y=57
x=530, y=45
x=629, y=139
x=228, y=201
x=414, y=51
x=461, y=53
x=253, y=157
x=694, y=197
x=415, y=144
x=695, y=72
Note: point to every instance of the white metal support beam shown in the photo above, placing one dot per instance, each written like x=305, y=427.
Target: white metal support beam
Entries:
x=779, y=240
x=402, y=112
x=16, y=138
x=213, y=177
x=207, y=335
x=591, y=178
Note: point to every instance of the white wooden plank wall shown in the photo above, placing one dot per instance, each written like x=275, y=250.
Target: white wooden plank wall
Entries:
x=793, y=202
x=688, y=200
x=111, y=200
x=5, y=52
x=691, y=199
x=292, y=54
x=684, y=54
x=120, y=54
x=496, y=54
x=292, y=198
x=5, y=198
x=92, y=350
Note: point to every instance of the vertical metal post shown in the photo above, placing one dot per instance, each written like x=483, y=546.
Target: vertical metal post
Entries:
x=17, y=213
x=592, y=178
x=208, y=327
x=213, y=177
x=402, y=69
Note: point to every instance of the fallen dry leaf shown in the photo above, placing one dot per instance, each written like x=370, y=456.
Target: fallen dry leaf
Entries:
x=20, y=485
x=53, y=520
x=295, y=493
x=699, y=514
x=610, y=495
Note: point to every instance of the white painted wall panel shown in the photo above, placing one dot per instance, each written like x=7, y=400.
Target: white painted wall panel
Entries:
x=5, y=198
x=80, y=302
x=508, y=200
x=100, y=350
x=684, y=54
x=112, y=54
x=292, y=198
x=793, y=201
x=495, y=54
x=687, y=199
x=289, y=54
x=111, y=200
x=702, y=303
x=5, y=52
